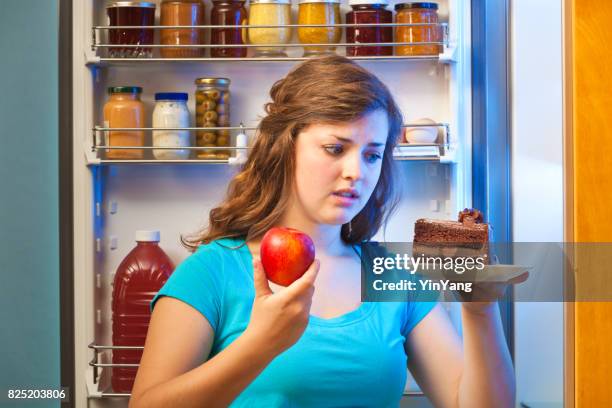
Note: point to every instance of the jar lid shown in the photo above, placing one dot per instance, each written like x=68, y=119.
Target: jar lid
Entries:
x=143, y=4
x=171, y=96
x=212, y=81
x=229, y=1
x=147, y=236
x=124, y=89
x=366, y=2
x=432, y=6
x=318, y=1
x=270, y=1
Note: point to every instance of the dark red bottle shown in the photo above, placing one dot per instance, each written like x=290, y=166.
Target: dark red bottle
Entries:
x=369, y=12
x=131, y=13
x=139, y=277
x=227, y=12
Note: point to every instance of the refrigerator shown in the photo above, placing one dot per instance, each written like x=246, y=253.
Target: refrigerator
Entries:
x=111, y=199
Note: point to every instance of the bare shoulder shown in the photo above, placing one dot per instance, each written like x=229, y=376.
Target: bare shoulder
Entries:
x=178, y=340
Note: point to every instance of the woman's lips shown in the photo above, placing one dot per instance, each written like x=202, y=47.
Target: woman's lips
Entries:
x=344, y=201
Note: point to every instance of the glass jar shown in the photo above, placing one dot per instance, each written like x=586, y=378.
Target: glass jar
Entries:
x=124, y=110
x=171, y=112
x=417, y=13
x=131, y=13
x=185, y=13
x=212, y=110
x=319, y=12
x=227, y=12
x=270, y=12
x=369, y=12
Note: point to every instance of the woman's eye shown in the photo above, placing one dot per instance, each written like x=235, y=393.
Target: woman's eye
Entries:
x=373, y=157
x=334, y=149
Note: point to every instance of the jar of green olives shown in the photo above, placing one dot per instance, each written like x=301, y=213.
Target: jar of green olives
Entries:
x=212, y=98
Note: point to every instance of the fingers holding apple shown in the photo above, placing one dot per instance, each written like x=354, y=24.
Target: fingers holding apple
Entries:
x=278, y=320
x=260, y=280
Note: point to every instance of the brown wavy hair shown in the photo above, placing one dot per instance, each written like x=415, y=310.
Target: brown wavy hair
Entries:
x=330, y=90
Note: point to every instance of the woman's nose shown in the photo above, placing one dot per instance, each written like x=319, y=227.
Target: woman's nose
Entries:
x=352, y=166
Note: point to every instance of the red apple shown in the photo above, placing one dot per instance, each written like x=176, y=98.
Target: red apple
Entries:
x=286, y=254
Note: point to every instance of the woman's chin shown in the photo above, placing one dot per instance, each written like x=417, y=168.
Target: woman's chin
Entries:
x=339, y=218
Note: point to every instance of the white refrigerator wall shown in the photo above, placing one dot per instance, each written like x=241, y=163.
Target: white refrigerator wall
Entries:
x=113, y=201
x=537, y=186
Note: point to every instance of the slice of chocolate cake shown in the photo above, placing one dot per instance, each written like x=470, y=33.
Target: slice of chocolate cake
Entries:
x=468, y=236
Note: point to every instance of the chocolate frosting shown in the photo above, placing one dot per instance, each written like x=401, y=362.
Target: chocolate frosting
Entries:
x=471, y=216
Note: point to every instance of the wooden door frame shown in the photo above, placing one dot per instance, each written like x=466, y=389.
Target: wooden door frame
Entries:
x=568, y=207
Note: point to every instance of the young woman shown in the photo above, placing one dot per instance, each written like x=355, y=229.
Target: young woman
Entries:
x=221, y=334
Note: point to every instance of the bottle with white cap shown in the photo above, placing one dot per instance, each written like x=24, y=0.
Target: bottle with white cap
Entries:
x=139, y=277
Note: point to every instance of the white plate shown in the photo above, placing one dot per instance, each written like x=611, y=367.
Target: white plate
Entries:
x=490, y=273
x=502, y=273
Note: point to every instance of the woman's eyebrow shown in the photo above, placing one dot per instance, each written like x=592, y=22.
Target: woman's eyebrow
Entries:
x=346, y=140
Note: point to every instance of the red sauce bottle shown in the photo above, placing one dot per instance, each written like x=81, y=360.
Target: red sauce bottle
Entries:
x=369, y=12
x=139, y=277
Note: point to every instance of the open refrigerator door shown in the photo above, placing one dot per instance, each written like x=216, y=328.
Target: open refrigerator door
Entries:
x=114, y=197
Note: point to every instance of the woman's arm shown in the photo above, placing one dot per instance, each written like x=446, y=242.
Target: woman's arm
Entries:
x=476, y=374
x=488, y=375
x=172, y=372
x=435, y=358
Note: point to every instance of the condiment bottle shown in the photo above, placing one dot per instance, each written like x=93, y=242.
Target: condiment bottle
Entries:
x=212, y=110
x=228, y=12
x=124, y=110
x=131, y=13
x=270, y=12
x=181, y=13
x=414, y=13
x=319, y=12
x=171, y=112
x=369, y=12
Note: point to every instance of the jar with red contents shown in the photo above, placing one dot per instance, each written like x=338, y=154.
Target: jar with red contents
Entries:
x=131, y=13
x=233, y=13
x=369, y=12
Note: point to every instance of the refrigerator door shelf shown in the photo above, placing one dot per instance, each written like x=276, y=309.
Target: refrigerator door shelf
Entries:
x=97, y=52
x=404, y=151
x=234, y=162
x=93, y=60
x=449, y=55
x=96, y=390
x=98, y=373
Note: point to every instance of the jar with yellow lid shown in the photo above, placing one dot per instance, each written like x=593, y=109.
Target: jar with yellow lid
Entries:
x=212, y=98
x=270, y=12
x=319, y=12
x=417, y=13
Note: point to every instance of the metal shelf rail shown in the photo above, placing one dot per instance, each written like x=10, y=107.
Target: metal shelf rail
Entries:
x=97, y=45
x=403, y=152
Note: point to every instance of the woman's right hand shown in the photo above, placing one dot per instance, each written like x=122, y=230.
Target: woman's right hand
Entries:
x=279, y=319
